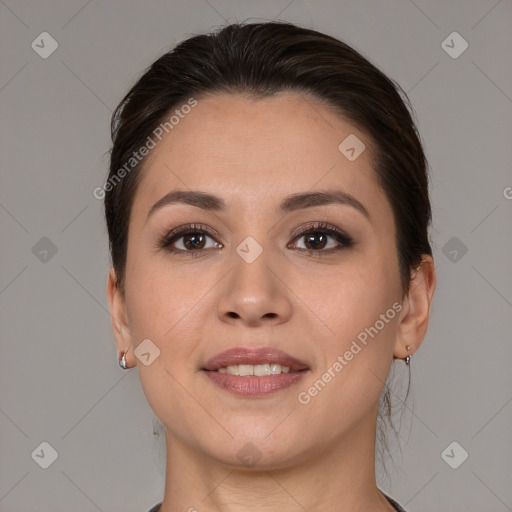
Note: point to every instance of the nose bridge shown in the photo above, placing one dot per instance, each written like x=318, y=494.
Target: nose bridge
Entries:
x=254, y=291
x=251, y=261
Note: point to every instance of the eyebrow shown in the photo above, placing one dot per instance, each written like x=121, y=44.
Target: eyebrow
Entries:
x=207, y=201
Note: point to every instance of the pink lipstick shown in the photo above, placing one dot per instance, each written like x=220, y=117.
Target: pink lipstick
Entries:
x=254, y=372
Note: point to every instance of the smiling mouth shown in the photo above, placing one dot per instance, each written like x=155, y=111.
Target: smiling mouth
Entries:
x=251, y=373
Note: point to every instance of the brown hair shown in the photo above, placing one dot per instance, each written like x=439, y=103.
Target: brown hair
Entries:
x=262, y=59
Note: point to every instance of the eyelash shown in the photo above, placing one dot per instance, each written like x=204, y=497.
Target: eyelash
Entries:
x=341, y=237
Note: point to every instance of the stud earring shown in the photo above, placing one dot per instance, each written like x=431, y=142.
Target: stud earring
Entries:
x=122, y=362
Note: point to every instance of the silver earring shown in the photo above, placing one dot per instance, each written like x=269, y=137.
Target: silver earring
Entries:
x=122, y=362
x=408, y=358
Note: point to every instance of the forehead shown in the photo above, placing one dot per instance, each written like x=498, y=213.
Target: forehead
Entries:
x=246, y=148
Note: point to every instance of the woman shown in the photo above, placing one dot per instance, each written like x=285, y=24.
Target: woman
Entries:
x=268, y=210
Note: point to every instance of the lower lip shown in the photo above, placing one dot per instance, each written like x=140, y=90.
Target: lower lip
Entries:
x=254, y=386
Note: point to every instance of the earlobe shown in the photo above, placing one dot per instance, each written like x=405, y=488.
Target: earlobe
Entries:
x=415, y=315
x=120, y=327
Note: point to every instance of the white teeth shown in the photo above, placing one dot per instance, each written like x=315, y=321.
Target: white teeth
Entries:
x=233, y=370
x=244, y=370
x=262, y=369
x=276, y=368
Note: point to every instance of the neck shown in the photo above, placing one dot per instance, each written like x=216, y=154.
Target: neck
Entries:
x=341, y=478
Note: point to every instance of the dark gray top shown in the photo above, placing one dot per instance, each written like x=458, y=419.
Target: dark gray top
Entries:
x=396, y=506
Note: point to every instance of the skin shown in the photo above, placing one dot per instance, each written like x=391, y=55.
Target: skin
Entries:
x=253, y=153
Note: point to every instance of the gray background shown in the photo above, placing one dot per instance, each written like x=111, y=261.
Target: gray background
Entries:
x=60, y=382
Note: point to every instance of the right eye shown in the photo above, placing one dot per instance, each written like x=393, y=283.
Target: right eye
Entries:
x=192, y=238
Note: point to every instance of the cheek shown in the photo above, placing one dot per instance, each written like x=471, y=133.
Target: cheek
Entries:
x=359, y=308
x=355, y=360
x=166, y=314
x=162, y=310
x=348, y=299
x=159, y=293
x=166, y=303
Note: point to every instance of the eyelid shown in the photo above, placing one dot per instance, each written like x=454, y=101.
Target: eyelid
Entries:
x=319, y=226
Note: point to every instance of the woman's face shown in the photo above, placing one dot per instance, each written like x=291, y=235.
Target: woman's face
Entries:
x=244, y=277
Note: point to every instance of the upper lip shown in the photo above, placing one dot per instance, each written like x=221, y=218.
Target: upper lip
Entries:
x=254, y=356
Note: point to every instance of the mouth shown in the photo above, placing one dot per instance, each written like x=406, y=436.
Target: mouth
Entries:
x=254, y=372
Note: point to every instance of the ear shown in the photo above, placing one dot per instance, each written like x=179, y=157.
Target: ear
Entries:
x=118, y=316
x=413, y=321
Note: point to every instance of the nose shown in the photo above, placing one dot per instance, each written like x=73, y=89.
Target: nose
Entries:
x=255, y=293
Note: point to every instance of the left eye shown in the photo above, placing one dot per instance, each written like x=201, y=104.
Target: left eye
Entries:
x=317, y=240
